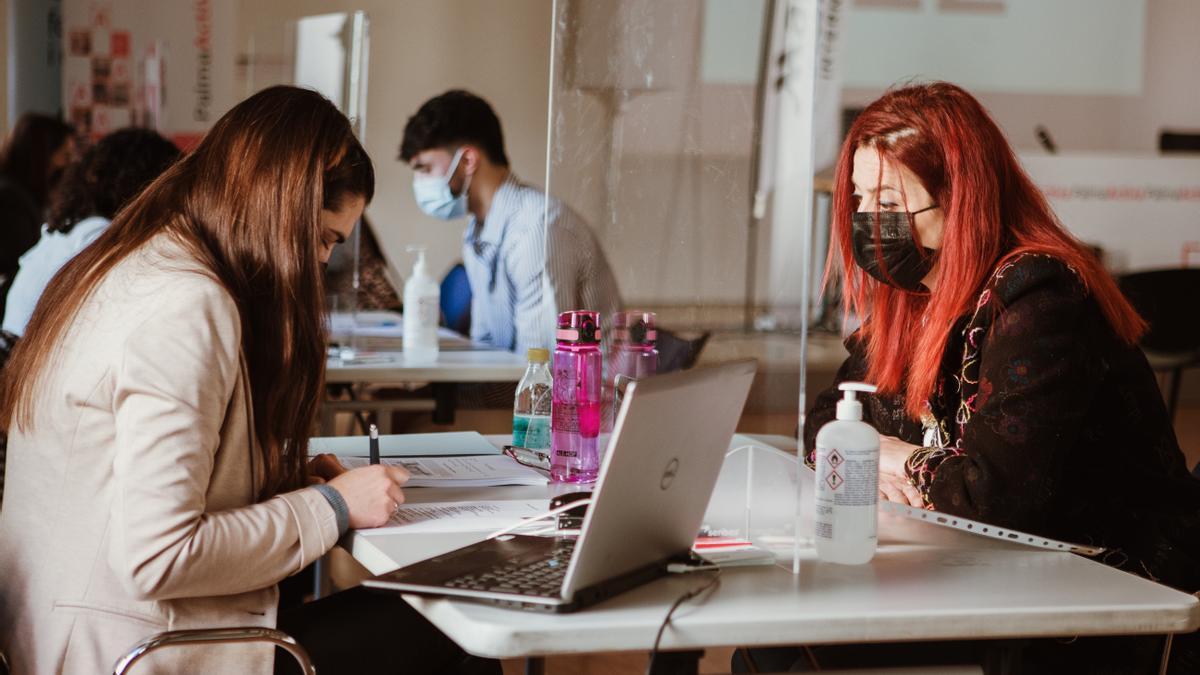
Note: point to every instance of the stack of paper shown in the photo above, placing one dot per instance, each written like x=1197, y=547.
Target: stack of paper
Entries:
x=478, y=471
x=731, y=552
x=380, y=324
x=485, y=516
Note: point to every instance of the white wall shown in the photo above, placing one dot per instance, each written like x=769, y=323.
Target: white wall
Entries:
x=501, y=50
x=420, y=48
x=1061, y=46
x=1169, y=96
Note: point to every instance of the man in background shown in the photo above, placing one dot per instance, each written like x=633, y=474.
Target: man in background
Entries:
x=527, y=256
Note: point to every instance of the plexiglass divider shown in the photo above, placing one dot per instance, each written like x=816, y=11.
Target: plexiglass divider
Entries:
x=763, y=496
x=328, y=53
x=681, y=133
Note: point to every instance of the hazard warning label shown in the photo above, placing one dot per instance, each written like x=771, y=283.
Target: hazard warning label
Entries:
x=847, y=476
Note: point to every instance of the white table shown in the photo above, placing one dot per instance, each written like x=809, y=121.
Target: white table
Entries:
x=450, y=366
x=389, y=367
x=925, y=583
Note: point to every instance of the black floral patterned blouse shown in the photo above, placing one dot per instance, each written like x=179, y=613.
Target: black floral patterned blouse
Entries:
x=1044, y=421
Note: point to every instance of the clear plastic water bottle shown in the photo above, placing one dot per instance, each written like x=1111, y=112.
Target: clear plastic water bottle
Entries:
x=575, y=414
x=634, y=354
x=531, y=410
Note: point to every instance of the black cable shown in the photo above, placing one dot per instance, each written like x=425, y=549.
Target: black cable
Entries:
x=712, y=583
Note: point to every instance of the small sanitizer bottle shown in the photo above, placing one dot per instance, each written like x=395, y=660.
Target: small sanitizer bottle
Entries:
x=422, y=306
x=847, y=483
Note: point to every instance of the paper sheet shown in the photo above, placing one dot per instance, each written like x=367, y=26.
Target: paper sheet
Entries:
x=477, y=471
x=985, y=530
x=484, y=516
x=407, y=445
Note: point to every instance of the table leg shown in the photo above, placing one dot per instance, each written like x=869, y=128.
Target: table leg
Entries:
x=676, y=663
x=327, y=417
x=320, y=577
x=535, y=665
x=1166, y=655
x=445, y=396
x=1003, y=657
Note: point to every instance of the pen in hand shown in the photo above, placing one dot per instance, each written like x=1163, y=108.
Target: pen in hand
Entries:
x=374, y=433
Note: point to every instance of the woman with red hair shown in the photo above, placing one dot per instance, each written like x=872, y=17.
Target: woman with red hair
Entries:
x=1011, y=387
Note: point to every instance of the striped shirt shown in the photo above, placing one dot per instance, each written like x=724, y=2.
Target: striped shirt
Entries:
x=521, y=279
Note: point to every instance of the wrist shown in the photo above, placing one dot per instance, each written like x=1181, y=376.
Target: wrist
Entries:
x=341, y=511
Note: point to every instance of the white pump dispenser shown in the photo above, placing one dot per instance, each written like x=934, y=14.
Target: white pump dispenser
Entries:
x=847, y=483
x=422, y=307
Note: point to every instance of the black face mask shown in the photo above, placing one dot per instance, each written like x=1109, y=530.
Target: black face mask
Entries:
x=904, y=263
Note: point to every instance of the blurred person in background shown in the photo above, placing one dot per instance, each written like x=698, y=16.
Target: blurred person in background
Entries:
x=110, y=174
x=34, y=158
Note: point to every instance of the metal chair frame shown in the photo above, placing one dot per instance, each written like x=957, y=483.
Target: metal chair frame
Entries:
x=212, y=636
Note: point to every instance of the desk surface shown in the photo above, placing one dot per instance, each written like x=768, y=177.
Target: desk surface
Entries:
x=924, y=583
x=451, y=366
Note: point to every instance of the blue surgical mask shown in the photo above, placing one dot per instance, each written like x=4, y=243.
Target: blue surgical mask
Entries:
x=435, y=197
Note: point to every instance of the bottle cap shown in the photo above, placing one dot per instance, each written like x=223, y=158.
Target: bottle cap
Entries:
x=849, y=408
x=635, y=327
x=537, y=355
x=579, y=327
x=419, y=265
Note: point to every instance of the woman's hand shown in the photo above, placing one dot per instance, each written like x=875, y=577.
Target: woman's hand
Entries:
x=893, y=453
x=324, y=468
x=372, y=493
x=894, y=485
x=899, y=490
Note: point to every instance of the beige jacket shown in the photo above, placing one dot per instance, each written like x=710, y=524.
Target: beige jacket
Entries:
x=130, y=505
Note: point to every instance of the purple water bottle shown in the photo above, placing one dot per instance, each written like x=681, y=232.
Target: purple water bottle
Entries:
x=575, y=413
x=634, y=354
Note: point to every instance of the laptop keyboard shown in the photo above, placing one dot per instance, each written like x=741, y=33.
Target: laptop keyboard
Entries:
x=542, y=576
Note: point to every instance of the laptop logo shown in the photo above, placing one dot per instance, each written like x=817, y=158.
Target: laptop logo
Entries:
x=669, y=474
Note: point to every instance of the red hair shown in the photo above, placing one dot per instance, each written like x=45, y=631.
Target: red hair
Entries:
x=993, y=212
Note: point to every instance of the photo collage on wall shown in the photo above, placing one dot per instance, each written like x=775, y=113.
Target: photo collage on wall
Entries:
x=107, y=89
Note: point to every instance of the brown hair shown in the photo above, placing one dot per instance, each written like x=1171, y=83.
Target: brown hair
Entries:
x=247, y=203
x=25, y=159
x=110, y=174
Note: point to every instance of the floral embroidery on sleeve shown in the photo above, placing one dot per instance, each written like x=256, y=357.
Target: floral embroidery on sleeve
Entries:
x=922, y=464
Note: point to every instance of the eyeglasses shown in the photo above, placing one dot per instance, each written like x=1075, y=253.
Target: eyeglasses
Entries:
x=536, y=459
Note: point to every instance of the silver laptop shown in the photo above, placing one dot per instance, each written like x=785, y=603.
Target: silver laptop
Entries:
x=669, y=441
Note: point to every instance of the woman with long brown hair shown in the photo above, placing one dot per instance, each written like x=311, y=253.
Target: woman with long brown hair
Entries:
x=1011, y=387
x=159, y=407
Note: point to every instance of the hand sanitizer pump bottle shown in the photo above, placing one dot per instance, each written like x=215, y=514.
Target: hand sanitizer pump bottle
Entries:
x=847, y=483
x=422, y=306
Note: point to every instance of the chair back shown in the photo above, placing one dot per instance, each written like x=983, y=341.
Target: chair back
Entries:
x=1179, y=141
x=677, y=353
x=216, y=636
x=456, y=300
x=1169, y=300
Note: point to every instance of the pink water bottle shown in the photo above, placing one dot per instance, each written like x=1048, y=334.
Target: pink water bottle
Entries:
x=575, y=412
x=634, y=354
